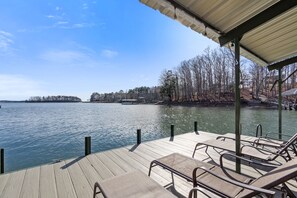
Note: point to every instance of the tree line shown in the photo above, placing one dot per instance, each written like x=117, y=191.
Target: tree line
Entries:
x=208, y=77
x=143, y=94
x=54, y=99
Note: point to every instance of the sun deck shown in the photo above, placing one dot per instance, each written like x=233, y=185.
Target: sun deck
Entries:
x=76, y=177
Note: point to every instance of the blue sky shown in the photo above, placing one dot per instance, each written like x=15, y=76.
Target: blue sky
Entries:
x=77, y=47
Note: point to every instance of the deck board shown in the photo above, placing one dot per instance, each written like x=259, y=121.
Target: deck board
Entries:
x=88, y=170
x=14, y=184
x=80, y=183
x=3, y=182
x=101, y=169
x=120, y=162
x=30, y=187
x=47, y=182
x=163, y=177
x=64, y=184
x=112, y=166
x=76, y=177
x=140, y=166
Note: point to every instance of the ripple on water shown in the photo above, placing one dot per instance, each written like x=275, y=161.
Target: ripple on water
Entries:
x=34, y=134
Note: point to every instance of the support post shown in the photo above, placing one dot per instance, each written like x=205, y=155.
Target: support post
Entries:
x=172, y=131
x=280, y=103
x=195, y=126
x=138, y=136
x=2, y=161
x=87, y=145
x=237, y=102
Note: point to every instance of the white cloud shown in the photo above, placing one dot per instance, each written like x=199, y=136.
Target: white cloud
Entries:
x=5, y=42
x=50, y=16
x=85, y=6
x=7, y=34
x=59, y=20
x=65, y=56
x=55, y=16
x=62, y=23
x=18, y=87
x=109, y=53
x=82, y=25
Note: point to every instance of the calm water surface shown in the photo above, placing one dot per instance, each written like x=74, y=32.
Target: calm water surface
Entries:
x=34, y=134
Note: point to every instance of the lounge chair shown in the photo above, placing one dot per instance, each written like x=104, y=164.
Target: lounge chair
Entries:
x=226, y=183
x=251, y=151
x=264, y=141
x=132, y=184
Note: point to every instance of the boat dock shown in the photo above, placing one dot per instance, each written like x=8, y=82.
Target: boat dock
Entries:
x=76, y=177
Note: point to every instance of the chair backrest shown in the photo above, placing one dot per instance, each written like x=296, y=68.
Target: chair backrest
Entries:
x=289, y=143
x=273, y=178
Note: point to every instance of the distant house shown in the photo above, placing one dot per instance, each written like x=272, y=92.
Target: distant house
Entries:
x=129, y=101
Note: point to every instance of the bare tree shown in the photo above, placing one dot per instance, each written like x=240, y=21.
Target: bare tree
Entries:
x=167, y=84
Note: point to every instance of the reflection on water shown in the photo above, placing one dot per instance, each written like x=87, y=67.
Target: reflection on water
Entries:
x=33, y=134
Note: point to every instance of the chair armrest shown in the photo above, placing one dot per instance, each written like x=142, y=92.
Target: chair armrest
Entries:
x=223, y=138
x=261, y=150
x=246, y=160
x=231, y=181
x=267, y=139
x=274, y=133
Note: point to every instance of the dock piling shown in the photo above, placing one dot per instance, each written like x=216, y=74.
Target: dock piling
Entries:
x=87, y=145
x=138, y=136
x=195, y=126
x=2, y=160
x=172, y=131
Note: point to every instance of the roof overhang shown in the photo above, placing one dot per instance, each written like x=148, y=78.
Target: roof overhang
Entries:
x=291, y=92
x=268, y=29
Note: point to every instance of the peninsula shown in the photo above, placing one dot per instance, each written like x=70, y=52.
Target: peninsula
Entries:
x=54, y=99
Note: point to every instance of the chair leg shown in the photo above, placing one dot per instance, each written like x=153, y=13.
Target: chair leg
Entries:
x=96, y=185
x=294, y=149
x=284, y=192
x=193, y=192
x=150, y=169
x=194, y=151
x=206, y=149
x=288, y=191
x=172, y=178
x=288, y=154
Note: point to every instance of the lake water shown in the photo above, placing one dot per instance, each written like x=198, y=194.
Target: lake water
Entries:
x=34, y=134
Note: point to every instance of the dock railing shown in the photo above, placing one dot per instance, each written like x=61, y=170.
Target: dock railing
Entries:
x=259, y=130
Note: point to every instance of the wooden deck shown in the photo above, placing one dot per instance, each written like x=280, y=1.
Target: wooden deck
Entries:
x=76, y=177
